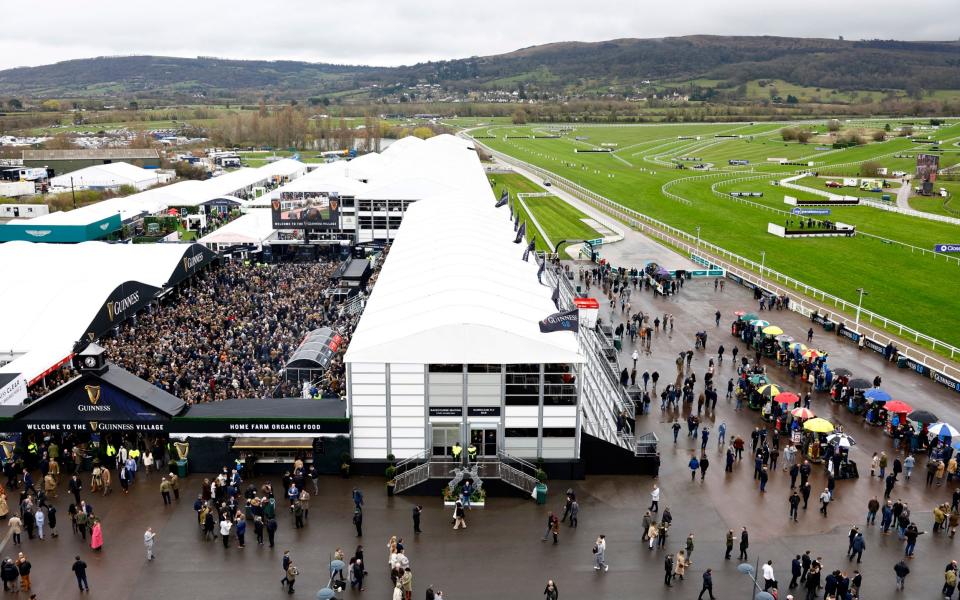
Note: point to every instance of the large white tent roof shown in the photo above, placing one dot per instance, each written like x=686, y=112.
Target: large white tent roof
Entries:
x=478, y=302
x=108, y=175
x=52, y=293
x=252, y=228
x=184, y=193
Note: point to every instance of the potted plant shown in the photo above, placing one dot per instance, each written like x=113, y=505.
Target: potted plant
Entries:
x=345, y=465
x=391, y=474
x=541, y=476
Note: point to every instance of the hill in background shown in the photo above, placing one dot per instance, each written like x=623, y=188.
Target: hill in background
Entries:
x=564, y=68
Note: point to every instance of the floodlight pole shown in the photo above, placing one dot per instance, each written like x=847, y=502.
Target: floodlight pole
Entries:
x=862, y=293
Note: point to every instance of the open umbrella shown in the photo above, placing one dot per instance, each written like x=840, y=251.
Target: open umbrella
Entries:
x=842, y=372
x=768, y=391
x=943, y=430
x=818, y=425
x=797, y=346
x=786, y=398
x=924, y=417
x=772, y=330
x=877, y=395
x=841, y=440
x=859, y=384
x=898, y=406
x=748, y=317
x=739, y=313
x=812, y=354
x=784, y=339
x=759, y=323
x=757, y=379
x=802, y=413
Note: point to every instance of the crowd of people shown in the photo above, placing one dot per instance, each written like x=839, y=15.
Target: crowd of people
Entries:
x=231, y=331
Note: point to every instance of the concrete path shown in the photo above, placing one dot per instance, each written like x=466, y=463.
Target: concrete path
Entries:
x=903, y=196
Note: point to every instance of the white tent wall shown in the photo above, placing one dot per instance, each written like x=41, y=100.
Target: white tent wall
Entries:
x=52, y=292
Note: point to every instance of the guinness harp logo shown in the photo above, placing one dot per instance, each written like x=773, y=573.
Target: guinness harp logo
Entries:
x=183, y=449
x=93, y=393
x=8, y=447
x=94, y=426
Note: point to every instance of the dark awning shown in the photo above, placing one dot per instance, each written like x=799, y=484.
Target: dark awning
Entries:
x=273, y=443
x=294, y=416
x=316, y=351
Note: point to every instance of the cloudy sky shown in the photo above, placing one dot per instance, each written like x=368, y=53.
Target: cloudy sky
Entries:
x=381, y=32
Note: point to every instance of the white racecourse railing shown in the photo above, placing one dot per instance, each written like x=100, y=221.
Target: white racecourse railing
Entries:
x=769, y=279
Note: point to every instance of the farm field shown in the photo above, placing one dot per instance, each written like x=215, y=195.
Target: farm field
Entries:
x=906, y=283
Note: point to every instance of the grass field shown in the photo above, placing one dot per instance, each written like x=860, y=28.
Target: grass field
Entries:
x=559, y=220
x=905, y=284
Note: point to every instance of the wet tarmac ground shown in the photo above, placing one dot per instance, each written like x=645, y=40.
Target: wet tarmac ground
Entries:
x=500, y=554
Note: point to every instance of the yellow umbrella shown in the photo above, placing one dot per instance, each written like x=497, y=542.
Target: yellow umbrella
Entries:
x=795, y=345
x=818, y=425
x=772, y=330
x=768, y=391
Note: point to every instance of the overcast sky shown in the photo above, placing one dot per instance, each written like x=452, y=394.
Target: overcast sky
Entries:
x=380, y=32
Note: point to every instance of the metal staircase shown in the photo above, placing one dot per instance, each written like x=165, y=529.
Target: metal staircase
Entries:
x=514, y=471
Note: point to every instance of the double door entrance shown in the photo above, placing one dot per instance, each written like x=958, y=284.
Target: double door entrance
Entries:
x=484, y=438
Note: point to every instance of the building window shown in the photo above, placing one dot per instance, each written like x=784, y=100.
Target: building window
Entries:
x=522, y=385
x=483, y=368
x=445, y=368
x=522, y=432
x=559, y=432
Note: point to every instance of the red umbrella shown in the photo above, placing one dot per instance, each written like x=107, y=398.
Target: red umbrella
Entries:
x=802, y=413
x=897, y=406
x=786, y=397
x=740, y=313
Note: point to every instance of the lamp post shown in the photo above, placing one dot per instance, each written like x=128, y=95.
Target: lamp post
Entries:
x=763, y=259
x=862, y=293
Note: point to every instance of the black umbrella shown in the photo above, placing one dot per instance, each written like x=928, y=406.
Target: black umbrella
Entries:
x=924, y=417
x=842, y=372
x=860, y=384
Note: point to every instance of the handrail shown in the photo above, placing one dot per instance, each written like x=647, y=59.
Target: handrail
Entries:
x=676, y=238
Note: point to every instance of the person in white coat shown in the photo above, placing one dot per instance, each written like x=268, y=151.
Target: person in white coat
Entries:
x=40, y=520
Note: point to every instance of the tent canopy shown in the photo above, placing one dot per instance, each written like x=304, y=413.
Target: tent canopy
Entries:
x=316, y=351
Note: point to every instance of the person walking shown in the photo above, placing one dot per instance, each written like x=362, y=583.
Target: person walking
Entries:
x=285, y=563
x=40, y=520
x=79, y=569
x=873, y=506
x=694, y=465
x=458, y=516
x=668, y=570
x=857, y=547
x=148, y=540
x=707, y=584
x=794, y=501
x=292, y=572
x=600, y=554
x=902, y=570
x=358, y=520
x=824, y=501
x=744, y=543
x=654, y=499
x=417, y=511
x=23, y=568
x=796, y=571
x=729, y=545
x=550, y=592
x=165, y=490
x=769, y=580
x=15, y=525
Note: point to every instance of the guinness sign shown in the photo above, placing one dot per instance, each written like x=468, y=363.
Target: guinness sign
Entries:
x=192, y=261
x=120, y=306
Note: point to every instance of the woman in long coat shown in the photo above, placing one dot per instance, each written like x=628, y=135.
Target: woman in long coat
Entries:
x=96, y=536
x=4, y=508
